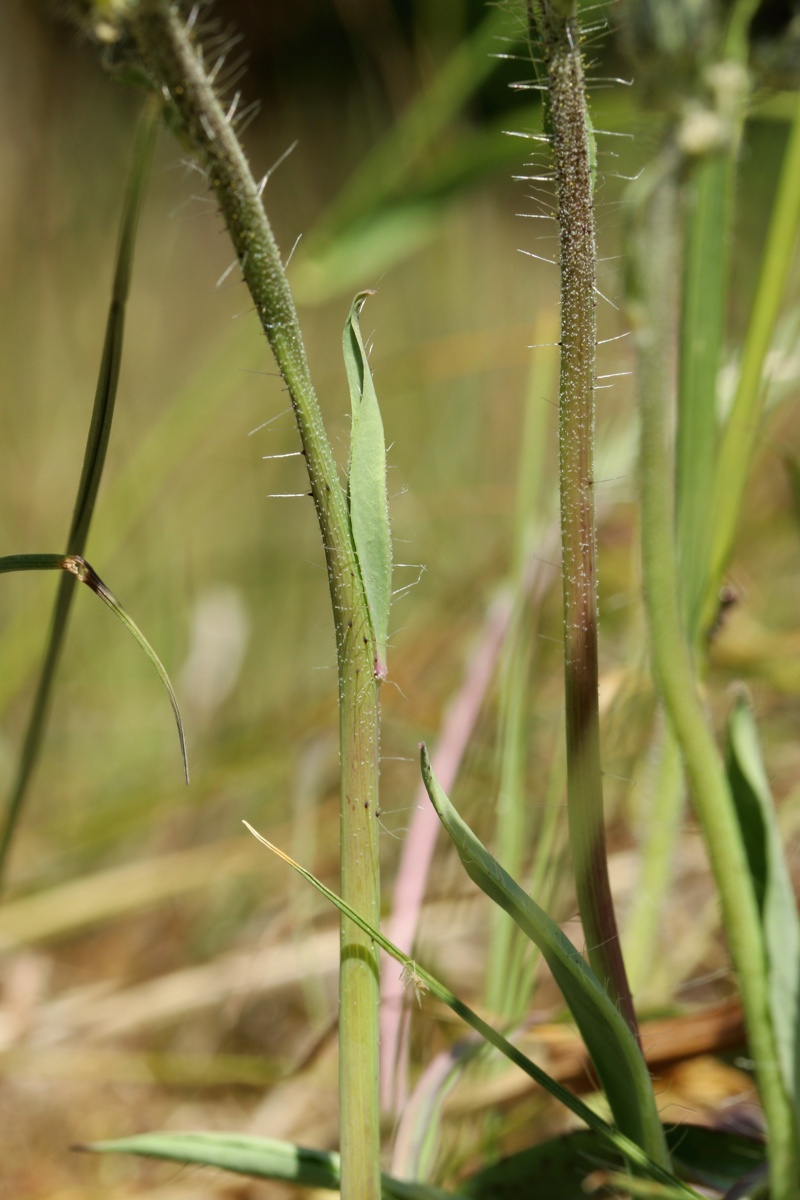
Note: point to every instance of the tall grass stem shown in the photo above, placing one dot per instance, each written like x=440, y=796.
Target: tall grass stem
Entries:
x=655, y=253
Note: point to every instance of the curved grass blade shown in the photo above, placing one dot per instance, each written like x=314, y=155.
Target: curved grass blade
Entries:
x=263, y=1158
x=613, y=1049
x=424, y=982
x=773, y=887
x=93, y=462
x=366, y=485
x=75, y=565
x=86, y=574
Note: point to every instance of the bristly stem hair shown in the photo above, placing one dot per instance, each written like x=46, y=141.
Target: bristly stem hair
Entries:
x=555, y=35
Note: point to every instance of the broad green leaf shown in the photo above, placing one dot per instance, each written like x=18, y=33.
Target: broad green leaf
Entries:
x=263, y=1158
x=772, y=884
x=366, y=485
x=75, y=565
x=423, y=982
x=613, y=1049
x=93, y=462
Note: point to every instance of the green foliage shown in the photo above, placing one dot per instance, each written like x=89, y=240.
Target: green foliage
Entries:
x=366, y=485
x=261, y=1158
x=393, y=203
x=91, y=474
x=424, y=982
x=561, y=1167
x=74, y=564
x=608, y=1038
x=769, y=876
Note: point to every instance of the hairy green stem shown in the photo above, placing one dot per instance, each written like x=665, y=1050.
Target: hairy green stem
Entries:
x=556, y=28
x=655, y=253
x=170, y=57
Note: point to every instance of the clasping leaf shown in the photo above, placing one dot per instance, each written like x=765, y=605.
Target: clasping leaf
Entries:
x=366, y=486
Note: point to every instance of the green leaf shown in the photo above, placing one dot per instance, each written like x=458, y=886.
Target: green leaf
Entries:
x=613, y=1049
x=75, y=565
x=424, y=982
x=703, y=304
x=366, y=486
x=92, y=470
x=556, y=1169
x=263, y=1158
x=741, y=432
x=772, y=885
x=559, y=1168
x=714, y=1158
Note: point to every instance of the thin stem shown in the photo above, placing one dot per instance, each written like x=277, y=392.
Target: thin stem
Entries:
x=559, y=35
x=655, y=255
x=172, y=60
x=91, y=475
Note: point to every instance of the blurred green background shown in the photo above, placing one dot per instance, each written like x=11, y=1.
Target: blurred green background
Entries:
x=122, y=878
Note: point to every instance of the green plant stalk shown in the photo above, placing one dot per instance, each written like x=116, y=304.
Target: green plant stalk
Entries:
x=558, y=30
x=169, y=57
x=91, y=474
x=424, y=982
x=654, y=252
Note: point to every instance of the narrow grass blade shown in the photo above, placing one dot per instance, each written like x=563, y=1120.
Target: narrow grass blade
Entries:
x=366, y=485
x=741, y=430
x=93, y=462
x=773, y=887
x=262, y=1158
x=108, y=379
x=704, y=299
x=75, y=565
x=81, y=570
x=31, y=562
x=613, y=1048
x=423, y=982
x=653, y=212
